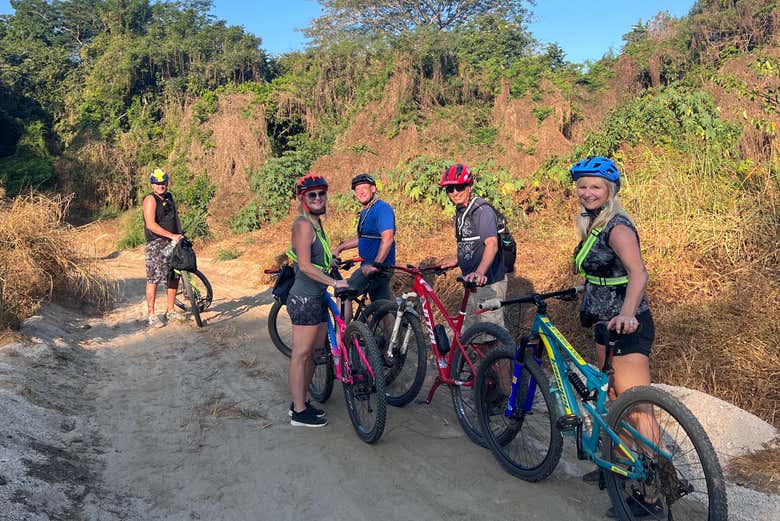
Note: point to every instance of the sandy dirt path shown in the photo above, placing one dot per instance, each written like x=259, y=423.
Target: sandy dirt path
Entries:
x=196, y=425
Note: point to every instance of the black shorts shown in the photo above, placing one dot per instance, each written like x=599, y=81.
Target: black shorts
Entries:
x=641, y=341
x=377, y=286
x=307, y=310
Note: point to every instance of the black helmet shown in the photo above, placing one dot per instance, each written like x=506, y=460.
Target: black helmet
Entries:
x=361, y=179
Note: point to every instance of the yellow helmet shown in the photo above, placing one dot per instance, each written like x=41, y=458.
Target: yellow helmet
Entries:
x=158, y=177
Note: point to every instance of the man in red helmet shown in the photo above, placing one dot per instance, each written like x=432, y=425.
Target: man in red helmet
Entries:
x=476, y=231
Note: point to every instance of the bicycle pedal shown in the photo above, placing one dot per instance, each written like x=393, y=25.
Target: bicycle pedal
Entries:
x=568, y=422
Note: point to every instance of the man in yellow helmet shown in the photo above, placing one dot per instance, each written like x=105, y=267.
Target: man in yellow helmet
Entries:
x=161, y=226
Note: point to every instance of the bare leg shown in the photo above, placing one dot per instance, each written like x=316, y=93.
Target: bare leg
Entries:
x=301, y=364
x=173, y=286
x=151, y=293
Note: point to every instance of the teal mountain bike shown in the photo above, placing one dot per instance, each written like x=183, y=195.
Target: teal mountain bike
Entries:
x=655, y=458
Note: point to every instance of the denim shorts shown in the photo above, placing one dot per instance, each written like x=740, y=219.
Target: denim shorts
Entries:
x=307, y=310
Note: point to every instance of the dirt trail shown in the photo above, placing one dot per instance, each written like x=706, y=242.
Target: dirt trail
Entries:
x=183, y=423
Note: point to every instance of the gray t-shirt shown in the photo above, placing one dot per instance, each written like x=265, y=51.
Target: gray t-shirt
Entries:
x=477, y=222
x=304, y=286
x=605, y=302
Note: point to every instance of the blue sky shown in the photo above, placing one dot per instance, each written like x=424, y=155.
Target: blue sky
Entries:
x=584, y=29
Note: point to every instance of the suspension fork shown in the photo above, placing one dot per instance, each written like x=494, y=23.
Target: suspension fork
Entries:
x=403, y=303
x=520, y=361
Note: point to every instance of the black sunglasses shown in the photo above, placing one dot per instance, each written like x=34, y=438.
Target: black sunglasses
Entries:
x=314, y=195
x=455, y=188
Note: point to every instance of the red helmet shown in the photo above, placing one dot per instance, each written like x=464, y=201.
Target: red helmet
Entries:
x=309, y=182
x=456, y=174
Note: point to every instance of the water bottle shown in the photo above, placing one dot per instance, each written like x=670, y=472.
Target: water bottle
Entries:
x=170, y=247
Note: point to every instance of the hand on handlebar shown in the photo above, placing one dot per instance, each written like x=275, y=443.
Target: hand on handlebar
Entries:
x=623, y=324
x=341, y=284
x=368, y=269
x=476, y=277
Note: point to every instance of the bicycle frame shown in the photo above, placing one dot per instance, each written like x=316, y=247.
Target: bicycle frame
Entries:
x=338, y=350
x=427, y=295
x=188, y=274
x=561, y=354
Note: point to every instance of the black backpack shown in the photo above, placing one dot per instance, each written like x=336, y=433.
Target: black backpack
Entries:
x=183, y=256
x=284, y=282
x=507, y=245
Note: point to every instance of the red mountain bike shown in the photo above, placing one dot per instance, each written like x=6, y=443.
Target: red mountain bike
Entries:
x=395, y=327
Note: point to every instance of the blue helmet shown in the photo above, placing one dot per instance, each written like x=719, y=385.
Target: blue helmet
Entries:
x=597, y=166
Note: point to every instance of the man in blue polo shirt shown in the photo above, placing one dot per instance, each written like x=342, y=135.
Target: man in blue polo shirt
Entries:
x=375, y=239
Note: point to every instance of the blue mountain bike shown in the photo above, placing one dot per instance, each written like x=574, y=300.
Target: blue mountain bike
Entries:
x=655, y=458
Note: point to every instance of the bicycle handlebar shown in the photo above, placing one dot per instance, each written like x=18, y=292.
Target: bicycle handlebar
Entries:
x=341, y=264
x=532, y=298
x=411, y=269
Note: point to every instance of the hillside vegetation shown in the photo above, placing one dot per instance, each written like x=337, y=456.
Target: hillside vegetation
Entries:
x=94, y=93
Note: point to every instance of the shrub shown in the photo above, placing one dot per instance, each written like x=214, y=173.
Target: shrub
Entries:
x=39, y=260
x=226, y=255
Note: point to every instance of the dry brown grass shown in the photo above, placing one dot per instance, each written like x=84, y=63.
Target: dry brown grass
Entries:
x=39, y=260
x=759, y=470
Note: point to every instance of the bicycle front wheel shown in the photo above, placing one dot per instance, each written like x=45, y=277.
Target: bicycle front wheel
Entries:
x=190, y=294
x=478, y=340
x=528, y=445
x=365, y=396
x=201, y=288
x=683, y=478
x=406, y=366
x=280, y=328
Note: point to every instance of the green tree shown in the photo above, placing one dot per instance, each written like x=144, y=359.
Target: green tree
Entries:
x=393, y=17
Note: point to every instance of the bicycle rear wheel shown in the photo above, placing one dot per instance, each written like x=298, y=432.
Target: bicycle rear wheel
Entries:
x=190, y=293
x=683, y=477
x=404, y=371
x=528, y=445
x=201, y=288
x=321, y=386
x=478, y=340
x=280, y=328
x=365, y=396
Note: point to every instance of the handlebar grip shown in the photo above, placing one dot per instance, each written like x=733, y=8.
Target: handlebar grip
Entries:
x=490, y=304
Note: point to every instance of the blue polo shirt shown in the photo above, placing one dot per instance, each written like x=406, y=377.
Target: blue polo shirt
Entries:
x=374, y=220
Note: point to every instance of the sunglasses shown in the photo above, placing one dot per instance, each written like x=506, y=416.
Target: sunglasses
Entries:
x=316, y=195
x=455, y=188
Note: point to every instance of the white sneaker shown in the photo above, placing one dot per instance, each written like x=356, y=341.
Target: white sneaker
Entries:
x=154, y=320
x=175, y=315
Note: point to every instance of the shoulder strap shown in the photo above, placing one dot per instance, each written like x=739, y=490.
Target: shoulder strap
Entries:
x=585, y=250
x=362, y=221
x=582, y=255
x=473, y=205
x=327, y=254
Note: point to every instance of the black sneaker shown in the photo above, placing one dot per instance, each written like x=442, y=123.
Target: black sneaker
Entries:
x=307, y=419
x=319, y=413
x=640, y=508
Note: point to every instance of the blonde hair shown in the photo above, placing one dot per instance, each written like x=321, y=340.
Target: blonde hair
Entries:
x=314, y=220
x=586, y=222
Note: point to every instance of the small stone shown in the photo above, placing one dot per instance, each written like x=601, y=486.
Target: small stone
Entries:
x=3, y=481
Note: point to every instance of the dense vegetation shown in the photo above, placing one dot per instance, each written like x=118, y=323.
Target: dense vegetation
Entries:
x=95, y=92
